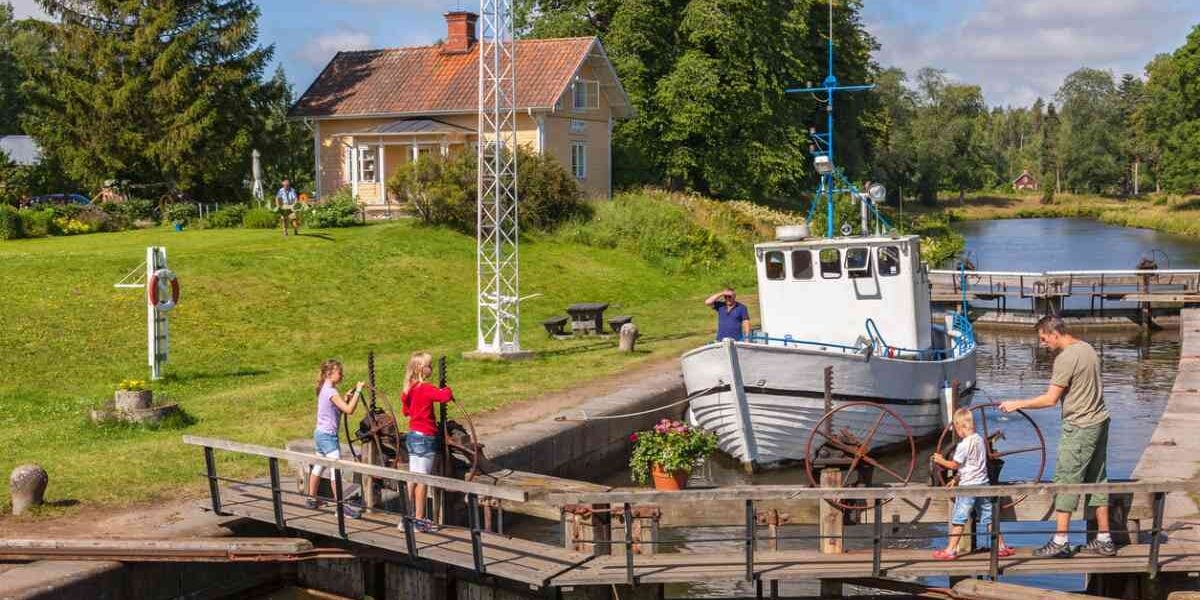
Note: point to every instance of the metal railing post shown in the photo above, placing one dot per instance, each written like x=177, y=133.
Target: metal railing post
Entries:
x=750, y=539
x=276, y=495
x=629, y=577
x=214, y=490
x=994, y=534
x=877, y=547
x=337, y=498
x=476, y=543
x=1159, y=506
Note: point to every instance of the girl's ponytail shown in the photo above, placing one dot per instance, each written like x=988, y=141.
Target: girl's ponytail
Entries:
x=327, y=368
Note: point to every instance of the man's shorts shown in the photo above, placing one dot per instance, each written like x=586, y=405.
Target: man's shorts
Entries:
x=1082, y=458
x=327, y=447
x=421, y=451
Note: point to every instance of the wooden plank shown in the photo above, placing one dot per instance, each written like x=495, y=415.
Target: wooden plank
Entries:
x=516, y=559
x=918, y=492
x=976, y=589
x=800, y=565
x=160, y=550
x=444, y=483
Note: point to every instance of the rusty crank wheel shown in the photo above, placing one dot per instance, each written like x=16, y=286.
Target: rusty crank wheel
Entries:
x=855, y=436
x=995, y=455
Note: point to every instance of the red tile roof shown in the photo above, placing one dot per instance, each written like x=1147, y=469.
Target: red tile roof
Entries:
x=423, y=80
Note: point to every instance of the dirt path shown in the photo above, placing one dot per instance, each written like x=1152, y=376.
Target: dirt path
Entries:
x=184, y=517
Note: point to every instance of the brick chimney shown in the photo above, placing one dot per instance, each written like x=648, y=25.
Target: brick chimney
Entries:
x=460, y=32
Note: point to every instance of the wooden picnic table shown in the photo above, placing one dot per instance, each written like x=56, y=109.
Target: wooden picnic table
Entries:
x=587, y=316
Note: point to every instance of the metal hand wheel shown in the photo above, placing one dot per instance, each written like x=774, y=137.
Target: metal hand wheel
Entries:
x=856, y=436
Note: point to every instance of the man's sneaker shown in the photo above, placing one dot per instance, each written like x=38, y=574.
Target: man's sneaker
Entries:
x=312, y=503
x=1099, y=548
x=1053, y=549
x=351, y=512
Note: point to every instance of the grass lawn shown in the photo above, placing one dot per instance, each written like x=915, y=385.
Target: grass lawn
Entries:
x=258, y=313
x=1179, y=215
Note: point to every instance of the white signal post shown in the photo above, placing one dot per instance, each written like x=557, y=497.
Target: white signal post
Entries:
x=162, y=293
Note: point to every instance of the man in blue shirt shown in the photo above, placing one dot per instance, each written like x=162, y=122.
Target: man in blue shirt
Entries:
x=733, y=318
x=285, y=202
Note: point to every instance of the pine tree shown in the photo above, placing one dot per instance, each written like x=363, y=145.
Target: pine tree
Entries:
x=1049, y=168
x=165, y=94
x=12, y=103
x=287, y=150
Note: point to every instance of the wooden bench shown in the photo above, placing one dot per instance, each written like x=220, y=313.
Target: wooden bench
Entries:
x=555, y=326
x=615, y=323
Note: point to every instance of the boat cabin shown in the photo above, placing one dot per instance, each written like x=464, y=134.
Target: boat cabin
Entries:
x=825, y=290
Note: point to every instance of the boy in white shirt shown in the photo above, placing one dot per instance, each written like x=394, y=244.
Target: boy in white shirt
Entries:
x=970, y=460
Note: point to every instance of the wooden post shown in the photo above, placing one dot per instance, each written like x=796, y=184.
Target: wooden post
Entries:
x=371, y=455
x=586, y=527
x=831, y=516
x=629, y=336
x=832, y=526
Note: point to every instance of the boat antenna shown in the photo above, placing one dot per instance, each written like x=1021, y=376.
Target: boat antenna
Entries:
x=832, y=181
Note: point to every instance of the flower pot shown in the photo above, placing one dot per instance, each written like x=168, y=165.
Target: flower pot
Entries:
x=131, y=400
x=668, y=480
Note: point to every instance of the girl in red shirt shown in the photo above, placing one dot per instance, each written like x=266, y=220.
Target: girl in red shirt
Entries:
x=422, y=441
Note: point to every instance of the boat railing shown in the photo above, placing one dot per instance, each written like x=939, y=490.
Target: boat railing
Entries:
x=787, y=341
x=961, y=344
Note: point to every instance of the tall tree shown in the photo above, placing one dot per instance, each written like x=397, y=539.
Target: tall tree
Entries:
x=1172, y=115
x=12, y=101
x=1051, y=179
x=287, y=150
x=1131, y=95
x=707, y=78
x=165, y=93
x=1090, y=145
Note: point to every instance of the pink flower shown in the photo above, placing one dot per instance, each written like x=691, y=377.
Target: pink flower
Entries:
x=633, y=437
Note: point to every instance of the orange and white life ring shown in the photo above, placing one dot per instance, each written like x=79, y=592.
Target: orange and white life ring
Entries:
x=160, y=278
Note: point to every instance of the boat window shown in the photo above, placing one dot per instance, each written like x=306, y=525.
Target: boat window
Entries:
x=775, y=266
x=889, y=261
x=858, y=262
x=831, y=263
x=802, y=269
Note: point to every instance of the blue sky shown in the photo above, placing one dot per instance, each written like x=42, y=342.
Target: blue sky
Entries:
x=1016, y=49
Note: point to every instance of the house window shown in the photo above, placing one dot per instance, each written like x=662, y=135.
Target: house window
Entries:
x=367, y=157
x=578, y=126
x=579, y=160
x=802, y=267
x=775, y=266
x=587, y=94
x=831, y=263
x=858, y=262
x=889, y=261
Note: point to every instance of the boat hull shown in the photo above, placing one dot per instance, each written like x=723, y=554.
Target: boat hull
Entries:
x=783, y=391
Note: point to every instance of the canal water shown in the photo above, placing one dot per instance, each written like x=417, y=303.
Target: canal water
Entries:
x=1139, y=372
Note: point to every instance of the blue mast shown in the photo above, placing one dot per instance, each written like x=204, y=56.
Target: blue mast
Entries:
x=830, y=174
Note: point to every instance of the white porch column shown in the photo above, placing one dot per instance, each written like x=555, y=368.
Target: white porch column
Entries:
x=541, y=134
x=445, y=148
x=415, y=152
x=381, y=172
x=317, y=142
x=354, y=166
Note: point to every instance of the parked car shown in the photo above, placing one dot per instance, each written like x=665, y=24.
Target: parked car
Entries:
x=58, y=200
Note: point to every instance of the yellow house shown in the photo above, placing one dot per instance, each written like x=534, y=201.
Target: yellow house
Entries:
x=374, y=110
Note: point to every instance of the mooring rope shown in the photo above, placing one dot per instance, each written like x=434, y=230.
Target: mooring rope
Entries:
x=640, y=413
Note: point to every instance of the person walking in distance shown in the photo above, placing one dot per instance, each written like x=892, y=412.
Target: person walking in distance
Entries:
x=285, y=202
x=1075, y=382
x=733, y=318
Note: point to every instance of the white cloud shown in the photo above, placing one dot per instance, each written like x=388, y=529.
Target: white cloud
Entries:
x=320, y=49
x=27, y=8
x=1018, y=50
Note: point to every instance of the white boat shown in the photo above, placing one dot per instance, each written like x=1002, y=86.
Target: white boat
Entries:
x=857, y=304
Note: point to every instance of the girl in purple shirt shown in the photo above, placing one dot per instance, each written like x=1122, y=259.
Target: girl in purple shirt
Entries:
x=330, y=405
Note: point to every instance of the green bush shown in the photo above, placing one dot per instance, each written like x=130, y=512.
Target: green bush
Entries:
x=39, y=222
x=10, y=223
x=131, y=210
x=227, y=217
x=181, y=212
x=442, y=191
x=339, y=210
x=260, y=218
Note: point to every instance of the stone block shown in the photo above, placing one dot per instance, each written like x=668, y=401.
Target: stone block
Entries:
x=27, y=484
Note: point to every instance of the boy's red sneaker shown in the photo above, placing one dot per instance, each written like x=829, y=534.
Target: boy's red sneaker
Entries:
x=944, y=555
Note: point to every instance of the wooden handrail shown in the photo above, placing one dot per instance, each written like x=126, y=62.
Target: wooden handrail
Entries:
x=443, y=483
x=791, y=492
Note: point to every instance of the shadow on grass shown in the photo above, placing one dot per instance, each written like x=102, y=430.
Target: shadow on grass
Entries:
x=610, y=342
x=1189, y=204
x=191, y=377
x=320, y=236
x=177, y=420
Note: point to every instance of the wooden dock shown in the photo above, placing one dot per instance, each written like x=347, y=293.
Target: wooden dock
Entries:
x=542, y=565
x=1165, y=286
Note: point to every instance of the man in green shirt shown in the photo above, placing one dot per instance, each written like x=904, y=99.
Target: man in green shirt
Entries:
x=1083, y=446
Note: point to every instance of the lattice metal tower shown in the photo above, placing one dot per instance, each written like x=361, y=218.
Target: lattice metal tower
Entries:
x=498, y=318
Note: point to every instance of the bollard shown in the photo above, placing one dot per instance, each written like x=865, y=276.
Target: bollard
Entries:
x=629, y=336
x=27, y=485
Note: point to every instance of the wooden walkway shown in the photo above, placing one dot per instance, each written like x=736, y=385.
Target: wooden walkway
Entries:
x=1163, y=285
x=541, y=565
